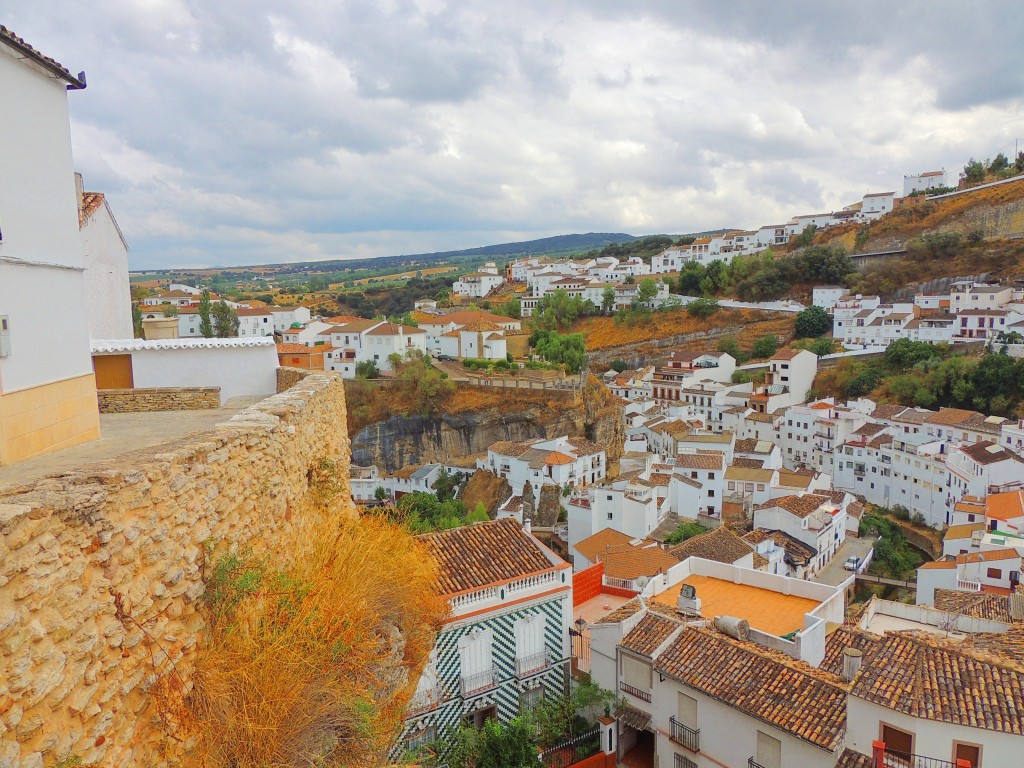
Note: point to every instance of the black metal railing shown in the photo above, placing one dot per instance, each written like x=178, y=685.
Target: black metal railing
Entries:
x=571, y=751
x=682, y=761
x=424, y=701
x=906, y=760
x=684, y=735
x=642, y=695
x=752, y=763
x=528, y=665
x=481, y=681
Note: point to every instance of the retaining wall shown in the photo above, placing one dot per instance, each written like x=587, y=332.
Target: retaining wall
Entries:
x=158, y=399
x=101, y=571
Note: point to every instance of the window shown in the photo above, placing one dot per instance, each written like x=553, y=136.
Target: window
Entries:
x=686, y=710
x=994, y=573
x=897, y=741
x=529, y=635
x=969, y=752
x=610, y=515
x=530, y=699
x=769, y=751
x=636, y=673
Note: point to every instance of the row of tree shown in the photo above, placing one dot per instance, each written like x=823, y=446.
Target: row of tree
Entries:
x=216, y=319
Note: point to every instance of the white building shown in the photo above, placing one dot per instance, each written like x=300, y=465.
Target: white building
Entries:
x=47, y=387
x=827, y=296
x=877, y=204
x=107, y=289
x=476, y=285
x=285, y=317
x=572, y=462
x=816, y=520
x=922, y=182
x=386, y=339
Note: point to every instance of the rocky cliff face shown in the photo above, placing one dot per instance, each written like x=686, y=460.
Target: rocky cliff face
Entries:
x=400, y=441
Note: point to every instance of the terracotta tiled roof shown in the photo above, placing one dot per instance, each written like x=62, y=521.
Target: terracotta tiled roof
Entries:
x=558, y=458
x=299, y=349
x=465, y=317
x=593, y=546
x=847, y=637
x=790, y=479
x=980, y=605
x=749, y=474
x=925, y=678
x=801, y=506
x=747, y=463
x=949, y=416
x=851, y=759
x=54, y=66
x=988, y=453
x=989, y=556
x=700, y=460
x=645, y=638
x=805, y=702
x=473, y=556
x=631, y=561
x=869, y=429
x=786, y=354
x=91, y=202
x=584, y=447
x=391, y=329
x=623, y=612
x=720, y=544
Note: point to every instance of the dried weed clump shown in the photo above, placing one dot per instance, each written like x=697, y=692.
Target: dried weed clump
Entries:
x=313, y=665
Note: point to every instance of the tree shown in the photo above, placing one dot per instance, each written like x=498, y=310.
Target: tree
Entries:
x=380, y=493
x=564, y=348
x=974, y=171
x=225, y=320
x=806, y=237
x=646, y=291
x=685, y=531
x=822, y=346
x=560, y=718
x=205, y=323
x=730, y=346
x=169, y=310
x=496, y=745
x=608, y=299
x=511, y=308
x=137, y=321
x=702, y=308
x=999, y=163
x=560, y=310
x=812, y=322
x=618, y=365
x=823, y=264
x=765, y=347
x=690, y=277
x=367, y=369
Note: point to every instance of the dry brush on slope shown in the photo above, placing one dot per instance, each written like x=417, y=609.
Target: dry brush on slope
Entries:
x=313, y=665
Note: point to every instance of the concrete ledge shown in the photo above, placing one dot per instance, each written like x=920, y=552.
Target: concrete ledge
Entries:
x=158, y=399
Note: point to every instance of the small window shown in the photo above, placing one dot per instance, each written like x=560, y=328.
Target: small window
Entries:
x=994, y=573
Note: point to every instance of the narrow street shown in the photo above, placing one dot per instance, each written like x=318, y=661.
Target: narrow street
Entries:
x=834, y=574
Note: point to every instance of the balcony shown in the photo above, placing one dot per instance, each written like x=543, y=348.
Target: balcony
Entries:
x=903, y=760
x=472, y=685
x=682, y=761
x=532, y=664
x=424, y=701
x=685, y=736
x=752, y=763
x=636, y=692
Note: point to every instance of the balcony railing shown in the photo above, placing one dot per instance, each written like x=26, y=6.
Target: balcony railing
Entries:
x=682, y=761
x=903, y=760
x=611, y=581
x=685, y=736
x=642, y=695
x=752, y=763
x=529, y=665
x=969, y=586
x=424, y=701
x=530, y=582
x=477, y=683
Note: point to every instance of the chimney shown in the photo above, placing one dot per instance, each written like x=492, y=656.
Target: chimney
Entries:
x=79, y=189
x=851, y=663
x=527, y=525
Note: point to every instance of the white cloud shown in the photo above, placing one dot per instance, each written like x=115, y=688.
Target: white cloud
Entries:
x=244, y=131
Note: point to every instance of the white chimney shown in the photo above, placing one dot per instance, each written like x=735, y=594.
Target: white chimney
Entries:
x=851, y=663
x=527, y=525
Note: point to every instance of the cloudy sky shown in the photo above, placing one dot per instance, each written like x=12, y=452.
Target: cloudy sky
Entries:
x=246, y=131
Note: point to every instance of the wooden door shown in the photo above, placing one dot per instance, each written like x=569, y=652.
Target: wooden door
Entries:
x=113, y=371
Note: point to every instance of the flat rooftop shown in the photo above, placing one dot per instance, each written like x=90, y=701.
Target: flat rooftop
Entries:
x=881, y=623
x=766, y=610
x=597, y=607
x=120, y=434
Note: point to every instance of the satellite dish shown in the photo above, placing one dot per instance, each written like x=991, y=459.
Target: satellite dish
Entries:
x=642, y=581
x=688, y=591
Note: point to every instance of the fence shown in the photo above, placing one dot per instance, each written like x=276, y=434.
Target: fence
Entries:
x=566, y=385
x=574, y=750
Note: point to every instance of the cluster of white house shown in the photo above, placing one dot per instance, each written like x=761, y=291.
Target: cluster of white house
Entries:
x=714, y=663
x=969, y=311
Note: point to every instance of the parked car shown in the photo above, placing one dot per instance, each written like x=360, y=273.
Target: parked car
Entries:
x=446, y=358
x=852, y=563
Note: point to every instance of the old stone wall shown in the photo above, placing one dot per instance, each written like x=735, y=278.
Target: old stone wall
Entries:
x=158, y=399
x=289, y=377
x=102, y=571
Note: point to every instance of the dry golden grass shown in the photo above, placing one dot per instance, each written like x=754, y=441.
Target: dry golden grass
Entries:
x=314, y=666
x=602, y=332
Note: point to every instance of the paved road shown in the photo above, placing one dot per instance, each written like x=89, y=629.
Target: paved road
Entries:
x=834, y=574
x=123, y=433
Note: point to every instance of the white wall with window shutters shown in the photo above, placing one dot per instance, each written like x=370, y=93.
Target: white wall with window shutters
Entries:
x=636, y=673
x=686, y=711
x=529, y=632
x=769, y=751
x=475, y=652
